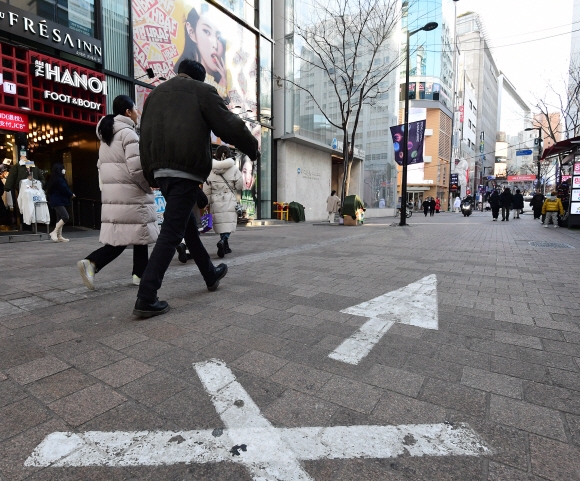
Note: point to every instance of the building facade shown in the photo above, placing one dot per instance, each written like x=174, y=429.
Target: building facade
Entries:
x=483, y=72
x=431, y=86
x=572, y=123
x=64, y=62
x=309, y=148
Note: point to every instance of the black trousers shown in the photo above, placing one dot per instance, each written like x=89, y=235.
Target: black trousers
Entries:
x=495, y=211
x=107, y=254
x=505, y=213
x=178, y=223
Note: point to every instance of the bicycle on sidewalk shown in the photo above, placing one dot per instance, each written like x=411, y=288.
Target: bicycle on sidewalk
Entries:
x=409, y=211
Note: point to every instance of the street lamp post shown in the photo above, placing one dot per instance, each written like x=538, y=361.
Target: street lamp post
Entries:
x=529, y=129
x=426, y=28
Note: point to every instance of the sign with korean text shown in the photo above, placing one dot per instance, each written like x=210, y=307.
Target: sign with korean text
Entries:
x=454, y=182
x=521, y=178
x=577, y=168
x=12, y=121
x=32, y=27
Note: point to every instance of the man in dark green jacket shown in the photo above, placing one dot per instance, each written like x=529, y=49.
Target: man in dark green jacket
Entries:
x=175, y=148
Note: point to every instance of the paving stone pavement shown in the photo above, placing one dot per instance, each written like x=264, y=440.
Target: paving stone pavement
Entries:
x=505, y=360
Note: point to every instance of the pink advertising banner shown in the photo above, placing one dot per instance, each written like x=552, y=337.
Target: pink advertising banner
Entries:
x=168, y=31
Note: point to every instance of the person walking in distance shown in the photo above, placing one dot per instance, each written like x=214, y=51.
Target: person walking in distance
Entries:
x=432, y=206
x=551, y=208
x=221, y=188
x=457, y=204
x=506, y=199
x=59, y=196
x=537, y=203
x=494, y=202
x=437, y=205
x=128, y=215
x=332, y=205
x=518, y=203
x=426, y=206
x=178, y=119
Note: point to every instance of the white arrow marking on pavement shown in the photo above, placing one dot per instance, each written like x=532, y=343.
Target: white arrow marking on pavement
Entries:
x=267, y=452
x=415, y=304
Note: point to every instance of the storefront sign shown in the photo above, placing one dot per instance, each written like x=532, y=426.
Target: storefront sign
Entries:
x=12, y=121
x=24, y=24
x=575, y=195
x=67, y=99
x=577, y=168
x=53, y=72
x=454, y=182
x=576, y=182
x=521, y=178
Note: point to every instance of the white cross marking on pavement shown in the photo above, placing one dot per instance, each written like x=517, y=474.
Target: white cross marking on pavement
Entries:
x=268, y=453
x=415, y=304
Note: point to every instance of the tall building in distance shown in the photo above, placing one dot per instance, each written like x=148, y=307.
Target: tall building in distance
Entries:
x=431, y=77
x=480, y=66
x=573, y=127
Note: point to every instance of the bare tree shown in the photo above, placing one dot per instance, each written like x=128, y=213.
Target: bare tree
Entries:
x=568, y=105
x=345, y=45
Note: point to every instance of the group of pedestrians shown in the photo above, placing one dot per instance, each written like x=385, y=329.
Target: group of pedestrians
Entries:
x=506, y=201
x=430, y=206
x=173, y=154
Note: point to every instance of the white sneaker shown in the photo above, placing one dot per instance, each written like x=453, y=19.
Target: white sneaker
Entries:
x=54, y=236
x=546, y=226
x=136, y=280
x=556, y=226
x=87, y=270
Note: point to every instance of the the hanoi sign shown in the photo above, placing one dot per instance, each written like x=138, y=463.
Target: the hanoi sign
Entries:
x=27, y=25
x=53, y=72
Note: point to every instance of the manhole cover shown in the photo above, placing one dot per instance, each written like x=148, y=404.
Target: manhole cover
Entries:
x=550, y=245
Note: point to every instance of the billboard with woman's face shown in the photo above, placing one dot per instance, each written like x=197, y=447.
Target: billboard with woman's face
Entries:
x=168, y=31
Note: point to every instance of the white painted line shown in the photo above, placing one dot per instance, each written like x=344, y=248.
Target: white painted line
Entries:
x=158, y=448
x=415, y=304
x=268, y=453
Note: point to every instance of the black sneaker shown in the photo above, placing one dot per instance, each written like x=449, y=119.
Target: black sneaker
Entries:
x=148, y=309
x=221, y=249
x=181, y=254
x=220, y=272
x=227, y=247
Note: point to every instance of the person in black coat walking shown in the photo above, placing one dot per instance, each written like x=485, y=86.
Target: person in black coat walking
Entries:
x=536, y=204
x=494, y=202
x=432, y=207
x=59, y=196
x=426, y=206
x=506, y=200
x=518, y=203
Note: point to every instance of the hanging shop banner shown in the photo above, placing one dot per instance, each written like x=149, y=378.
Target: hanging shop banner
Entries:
x=454, y=182
x=414, y=145
x=27, y=25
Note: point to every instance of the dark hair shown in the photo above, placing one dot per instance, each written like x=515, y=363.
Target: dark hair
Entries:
x=508, y=190
x=192, y=68
x=55, y=176
x=121, y=104
x=190, y=49
x=517, y=191
x=221, y=150
x=333, y=192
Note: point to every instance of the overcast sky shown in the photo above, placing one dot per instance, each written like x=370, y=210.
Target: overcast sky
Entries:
x=531, y=64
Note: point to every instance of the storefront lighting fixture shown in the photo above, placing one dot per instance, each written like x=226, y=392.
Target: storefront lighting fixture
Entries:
x=61, y=137
x=34, y=124
x=47, y=141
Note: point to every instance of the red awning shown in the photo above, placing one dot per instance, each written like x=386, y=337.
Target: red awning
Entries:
x=561, y=147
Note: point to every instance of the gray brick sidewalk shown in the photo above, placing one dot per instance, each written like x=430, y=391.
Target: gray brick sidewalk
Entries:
x=505, y=360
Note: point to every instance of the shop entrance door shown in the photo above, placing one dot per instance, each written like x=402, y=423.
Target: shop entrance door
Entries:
x=416, y=198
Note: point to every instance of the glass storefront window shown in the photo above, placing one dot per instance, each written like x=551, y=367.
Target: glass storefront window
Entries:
x=265, y=81
x=78, y=15
x=244, y=9
x=266, y=17
x=265, y=183
x=116, y=35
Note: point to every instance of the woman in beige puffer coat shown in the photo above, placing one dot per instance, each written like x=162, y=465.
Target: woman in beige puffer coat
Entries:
x=224, y=179
x=128, y=215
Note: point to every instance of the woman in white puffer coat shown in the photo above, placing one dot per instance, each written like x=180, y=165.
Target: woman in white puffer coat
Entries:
x=128, y=215
x=224, y=181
